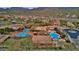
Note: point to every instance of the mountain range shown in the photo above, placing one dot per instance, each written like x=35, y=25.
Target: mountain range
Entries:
x=38, y=8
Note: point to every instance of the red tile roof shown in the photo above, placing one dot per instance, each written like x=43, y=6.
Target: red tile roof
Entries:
x=41, y=39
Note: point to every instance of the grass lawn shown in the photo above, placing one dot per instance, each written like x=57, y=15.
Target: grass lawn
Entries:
x=18, y=44
x=25, y=44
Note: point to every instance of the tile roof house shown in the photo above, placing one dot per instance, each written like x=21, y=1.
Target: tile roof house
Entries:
x=14, y=22
x=41, y=40
x=74, y=16
x=56, y=23
x=41, y=28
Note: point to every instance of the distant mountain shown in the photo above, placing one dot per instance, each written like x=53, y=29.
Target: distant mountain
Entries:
x=14, y=9
x=39, y=8
x=56, y=8
x=18, y=8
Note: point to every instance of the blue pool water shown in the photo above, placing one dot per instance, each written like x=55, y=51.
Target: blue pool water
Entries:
x=24, y=33
x=26, y=30
x=73, y=33
x=54, y=36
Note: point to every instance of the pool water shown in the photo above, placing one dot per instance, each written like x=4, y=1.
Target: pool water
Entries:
x=73, y=33
x=26, y=30
x=54, y=36
x=24, y=33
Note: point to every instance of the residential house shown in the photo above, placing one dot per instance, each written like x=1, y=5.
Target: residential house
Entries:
x=41, y=40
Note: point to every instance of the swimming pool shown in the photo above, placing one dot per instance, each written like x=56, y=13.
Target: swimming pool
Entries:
x=73, y=33
x=24, y=33
x=54, y=35
x=26, y=30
